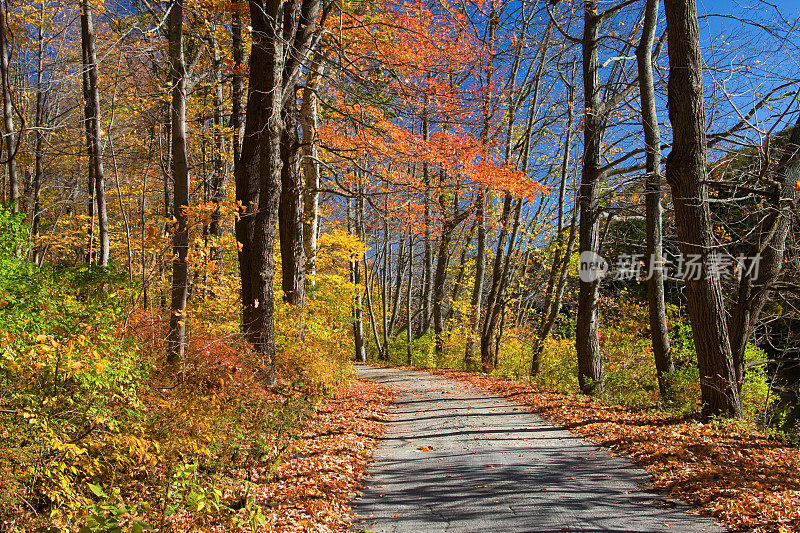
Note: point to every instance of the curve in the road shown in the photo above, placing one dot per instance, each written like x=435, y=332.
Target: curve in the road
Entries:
x=456, y=459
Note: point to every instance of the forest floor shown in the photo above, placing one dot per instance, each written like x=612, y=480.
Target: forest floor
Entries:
x=457, y=457
x=315, y=484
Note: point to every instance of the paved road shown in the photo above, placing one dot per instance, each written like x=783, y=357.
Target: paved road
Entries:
x=456, y=459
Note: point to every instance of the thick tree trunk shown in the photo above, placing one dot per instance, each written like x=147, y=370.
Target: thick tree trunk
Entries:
x=293, y=259
x=8, y=116
x=180, y=175
x=587, y=341
x=92, y=114
x=654, y=255
x=259, y=180
x=686, y=175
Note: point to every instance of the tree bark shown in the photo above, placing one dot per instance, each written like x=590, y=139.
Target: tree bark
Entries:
x=237, y=82
x=8, y=116
x=487, y=332
x=290, y=212
x=477, y=289
x=218, y=178
x=38, y=175
x=308, y=122
x=92, y=114
x=587, y=341
x=180, y=175
x=358, y=310
x=686, y=175
x=654, y=256
x=439, y=281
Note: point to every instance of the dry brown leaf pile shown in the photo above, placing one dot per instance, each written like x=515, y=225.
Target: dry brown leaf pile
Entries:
x=315, y=485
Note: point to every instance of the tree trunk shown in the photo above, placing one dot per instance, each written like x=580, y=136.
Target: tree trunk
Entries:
x=587, y=341
x=358, y=310
x=8, y=116
x=308, y=122
x=218, y=179
x=477, y=290
x=293, y=257
x=487, y=332
x=561, y=255
x=237, y=83
x=180, y=176
x=559, y=277
x=686, y=175
x=654, y=255
x=92, y=114
x=259, y=180
x=39, y=146
x=408, y=294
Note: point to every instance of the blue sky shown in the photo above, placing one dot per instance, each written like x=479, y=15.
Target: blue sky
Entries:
x=790, y=8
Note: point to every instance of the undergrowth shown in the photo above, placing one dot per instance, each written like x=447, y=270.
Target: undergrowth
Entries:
x=98, y=434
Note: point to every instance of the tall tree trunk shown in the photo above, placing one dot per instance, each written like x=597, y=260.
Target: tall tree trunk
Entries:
x=426, y=300
x=686, y=175
x=358, y=310
x=237, y=82
x=458, y=285
x=260, y=177
x=440, y=279
x=247, y=164
x=293, y=259
x=409, y=288
x=487, y=332
x=180, y=176
x=308, y=122
x=92, y=114
x=39, y=143
x=218, y=179
x=559, y=277
x=561, y=256
x=477, y=290
x=654, y=255
x=8, y=116
x=587, y=339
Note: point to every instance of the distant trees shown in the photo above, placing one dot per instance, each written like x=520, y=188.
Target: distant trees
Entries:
x=444, y=137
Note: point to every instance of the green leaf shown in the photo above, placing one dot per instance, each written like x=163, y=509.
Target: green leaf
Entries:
x=97, y=490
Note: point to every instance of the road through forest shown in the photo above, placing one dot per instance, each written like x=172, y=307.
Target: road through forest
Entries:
x=457, y=459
